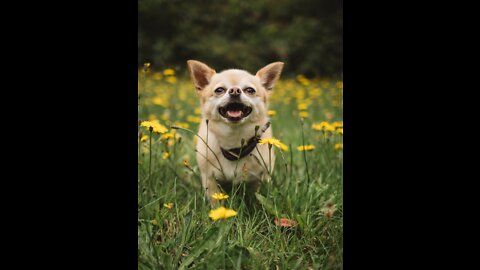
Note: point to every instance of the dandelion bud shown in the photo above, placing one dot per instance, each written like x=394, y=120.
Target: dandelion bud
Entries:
x=206, y=121
x=256, y=129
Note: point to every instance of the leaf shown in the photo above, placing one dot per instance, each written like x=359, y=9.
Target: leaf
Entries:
x=186, y=228
x=267, y=205
x=237, y=249
x=209, y=242
x=284, y=222
x=301, y=220
x=242, y=256
x=252, y=252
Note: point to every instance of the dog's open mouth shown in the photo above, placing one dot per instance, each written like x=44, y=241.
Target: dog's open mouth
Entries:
x=235, y=111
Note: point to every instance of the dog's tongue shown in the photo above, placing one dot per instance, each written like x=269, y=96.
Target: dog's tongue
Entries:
x=234, y=113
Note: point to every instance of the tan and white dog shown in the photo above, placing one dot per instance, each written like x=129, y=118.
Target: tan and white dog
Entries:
x=235, y=104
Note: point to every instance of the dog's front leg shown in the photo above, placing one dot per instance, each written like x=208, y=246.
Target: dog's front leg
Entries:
x=210, y=186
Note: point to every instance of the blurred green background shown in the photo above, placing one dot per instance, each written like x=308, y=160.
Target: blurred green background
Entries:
x=306, y=34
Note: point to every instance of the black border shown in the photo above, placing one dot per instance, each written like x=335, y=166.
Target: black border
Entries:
x=73, y=181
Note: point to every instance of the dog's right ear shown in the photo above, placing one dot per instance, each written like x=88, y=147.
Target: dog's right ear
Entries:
x=200, y=73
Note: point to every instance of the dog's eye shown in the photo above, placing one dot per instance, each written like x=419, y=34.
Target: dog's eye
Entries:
x=219, y=90
x=250, y=90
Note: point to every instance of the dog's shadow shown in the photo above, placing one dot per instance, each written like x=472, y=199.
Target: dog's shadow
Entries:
x=243, y=193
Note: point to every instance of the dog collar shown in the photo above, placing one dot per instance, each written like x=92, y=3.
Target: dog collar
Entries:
x=238, y=153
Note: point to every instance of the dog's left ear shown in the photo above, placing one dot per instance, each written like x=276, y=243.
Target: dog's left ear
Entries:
x=200, y=73
x=269, y=74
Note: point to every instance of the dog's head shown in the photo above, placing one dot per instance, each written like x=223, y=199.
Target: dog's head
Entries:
x=234, y=96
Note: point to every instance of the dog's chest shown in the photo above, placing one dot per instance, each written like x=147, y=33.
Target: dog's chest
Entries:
x=247, y=169
x=251, y=167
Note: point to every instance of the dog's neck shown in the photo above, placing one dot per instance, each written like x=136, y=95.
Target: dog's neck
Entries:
x=234, y=154
x=230, y=136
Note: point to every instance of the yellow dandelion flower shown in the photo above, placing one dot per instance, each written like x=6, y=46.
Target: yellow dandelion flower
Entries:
x=340, y=131
x=145, y=149
x=169, y=72
x=167, y=136
x=302, y=106
x=146, y=65
x=198, y=111
x=171, y=80
x=315, y=92
x=154, y=222
x=337, y=124
x=158, y=101
x=193, y=119
x=159, y=128
x=154, y=126
x=272, y=113
x=303, y=80
x=165, y=155
x=152, y=117
x=300, y=77
x=309, y=147
x=165, y=116
x=171, y=142
x=168, y=205
x=157, y=76
x=299, y=94
x=274, y=142
x=338, y=146
x=323, y=126
x=222, y=213
x=181, y=124
x=219, y=196
x=303, y=114
x=147, y=124
x=144, y=138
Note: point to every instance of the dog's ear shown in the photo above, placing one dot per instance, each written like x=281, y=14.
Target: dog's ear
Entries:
x=269, y=74
x=200, y=73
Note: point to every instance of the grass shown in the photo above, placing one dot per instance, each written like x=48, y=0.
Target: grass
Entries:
x=184, y=237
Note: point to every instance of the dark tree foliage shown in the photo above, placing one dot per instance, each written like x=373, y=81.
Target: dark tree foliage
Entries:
x=306, y=34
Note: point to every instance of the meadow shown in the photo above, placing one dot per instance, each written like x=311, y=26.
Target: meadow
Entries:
x=295, y=221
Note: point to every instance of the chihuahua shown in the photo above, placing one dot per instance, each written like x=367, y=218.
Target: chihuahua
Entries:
x=234, y=107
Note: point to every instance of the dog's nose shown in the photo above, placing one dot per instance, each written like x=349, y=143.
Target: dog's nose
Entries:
x=234, y=91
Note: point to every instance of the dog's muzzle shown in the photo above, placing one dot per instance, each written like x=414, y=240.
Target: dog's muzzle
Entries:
x=235, y=111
